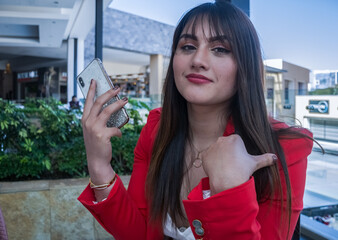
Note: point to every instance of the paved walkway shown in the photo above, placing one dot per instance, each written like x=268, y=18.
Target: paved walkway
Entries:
x=321, y=186
x=322, y=176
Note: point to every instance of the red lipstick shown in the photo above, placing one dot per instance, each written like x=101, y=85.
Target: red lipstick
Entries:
x=198, y=78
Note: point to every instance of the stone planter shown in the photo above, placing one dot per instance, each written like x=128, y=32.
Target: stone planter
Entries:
x=49, y=209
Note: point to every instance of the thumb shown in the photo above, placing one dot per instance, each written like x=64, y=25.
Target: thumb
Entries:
x=265, y=160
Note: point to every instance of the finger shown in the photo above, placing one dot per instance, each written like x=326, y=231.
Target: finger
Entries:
x=114, y=132
x=100, y=101
x=265, y=160
x=109, y=110
x=104, y=135
x=89, y=100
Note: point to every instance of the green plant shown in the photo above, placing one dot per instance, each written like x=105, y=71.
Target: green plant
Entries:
x=325, y=91
x=32, y=137
x=123, y=148
x=42, y=139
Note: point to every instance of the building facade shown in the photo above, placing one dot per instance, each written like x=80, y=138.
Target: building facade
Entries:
x=135, y=50
x=322, y=79
x=283, y=82
x=319, y=113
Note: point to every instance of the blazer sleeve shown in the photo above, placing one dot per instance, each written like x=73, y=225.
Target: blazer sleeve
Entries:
x=124, y=213
x=236, y=214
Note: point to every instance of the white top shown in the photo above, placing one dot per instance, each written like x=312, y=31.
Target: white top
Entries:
x=180, y=233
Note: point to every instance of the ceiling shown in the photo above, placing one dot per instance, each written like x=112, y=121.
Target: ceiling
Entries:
x=39, y=28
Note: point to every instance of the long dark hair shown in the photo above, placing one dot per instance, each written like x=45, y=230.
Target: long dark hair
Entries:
x=167, y=166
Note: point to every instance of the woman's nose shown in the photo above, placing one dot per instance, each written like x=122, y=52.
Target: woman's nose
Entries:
x=200, y=59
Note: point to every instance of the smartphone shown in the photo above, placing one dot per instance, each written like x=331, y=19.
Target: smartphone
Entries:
x=96, y=71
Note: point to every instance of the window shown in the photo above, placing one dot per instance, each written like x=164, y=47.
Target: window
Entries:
x=301, y=88
x=269, y=94
x=286, y=92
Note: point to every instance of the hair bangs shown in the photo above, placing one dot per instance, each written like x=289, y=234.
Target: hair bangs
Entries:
x=217, y=20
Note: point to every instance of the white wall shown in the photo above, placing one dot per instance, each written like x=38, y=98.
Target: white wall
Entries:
x=303, y=114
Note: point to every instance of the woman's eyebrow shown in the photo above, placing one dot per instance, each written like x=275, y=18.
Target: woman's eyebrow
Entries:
x=188, y=36
x=219, y=38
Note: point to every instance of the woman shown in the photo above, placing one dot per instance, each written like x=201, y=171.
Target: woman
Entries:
x=210, y=164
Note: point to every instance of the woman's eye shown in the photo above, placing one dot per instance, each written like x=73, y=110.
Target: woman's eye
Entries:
x=188, y=48
x=220, y=50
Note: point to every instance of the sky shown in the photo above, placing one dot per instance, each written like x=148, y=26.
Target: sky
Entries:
x=302, y=32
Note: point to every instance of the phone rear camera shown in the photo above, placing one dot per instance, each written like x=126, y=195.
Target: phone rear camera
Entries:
x=81, y=82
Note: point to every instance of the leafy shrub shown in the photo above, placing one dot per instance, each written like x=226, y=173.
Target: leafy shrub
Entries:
x=42, y=139
x=123, y=148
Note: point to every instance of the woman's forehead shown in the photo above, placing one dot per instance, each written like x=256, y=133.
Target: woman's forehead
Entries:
x=203, y=24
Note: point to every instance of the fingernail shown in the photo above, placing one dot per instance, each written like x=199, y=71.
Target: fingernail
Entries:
x=116, y=87
x=125, y=99
x=274, y=158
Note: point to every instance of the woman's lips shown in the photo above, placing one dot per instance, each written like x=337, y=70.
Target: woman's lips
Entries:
x=198, y=79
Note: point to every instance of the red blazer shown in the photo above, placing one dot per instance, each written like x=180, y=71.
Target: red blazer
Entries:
x=231, y=214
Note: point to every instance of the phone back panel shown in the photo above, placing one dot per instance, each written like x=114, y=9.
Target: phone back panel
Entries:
x=96, y=71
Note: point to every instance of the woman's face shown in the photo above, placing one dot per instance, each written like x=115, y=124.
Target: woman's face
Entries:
x=204, y=67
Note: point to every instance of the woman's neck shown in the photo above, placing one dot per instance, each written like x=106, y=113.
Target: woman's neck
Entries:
x=206, y=124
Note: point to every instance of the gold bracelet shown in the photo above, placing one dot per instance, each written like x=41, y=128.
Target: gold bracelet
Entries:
x=102, y=186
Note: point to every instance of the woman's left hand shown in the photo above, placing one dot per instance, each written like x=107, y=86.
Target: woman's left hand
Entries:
x=228, y=164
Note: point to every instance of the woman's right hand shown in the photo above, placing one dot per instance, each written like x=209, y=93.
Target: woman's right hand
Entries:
x=97, y=135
